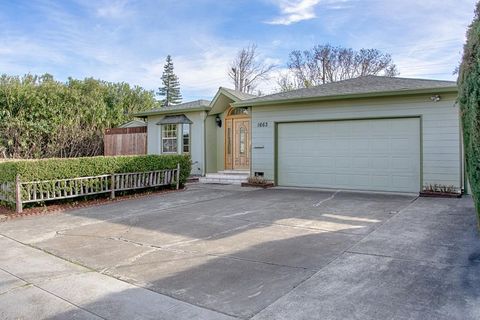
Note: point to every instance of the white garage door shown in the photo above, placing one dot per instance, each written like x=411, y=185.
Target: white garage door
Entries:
x=382, y=155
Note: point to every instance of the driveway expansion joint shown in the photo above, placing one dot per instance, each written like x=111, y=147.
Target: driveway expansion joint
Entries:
x=31, y=284
x=425, y=262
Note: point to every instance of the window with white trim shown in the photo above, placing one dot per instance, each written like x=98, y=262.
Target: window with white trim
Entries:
x=186, y=138
x=169, y=138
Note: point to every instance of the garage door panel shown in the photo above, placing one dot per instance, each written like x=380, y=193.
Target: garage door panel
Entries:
x=361, y=163
x=379, y=155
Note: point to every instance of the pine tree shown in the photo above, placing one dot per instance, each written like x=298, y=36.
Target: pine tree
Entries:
x=469, y=99
x=171, y=86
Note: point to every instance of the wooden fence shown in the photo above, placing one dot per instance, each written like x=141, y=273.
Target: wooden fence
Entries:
x=125, y=141
x=20, y=192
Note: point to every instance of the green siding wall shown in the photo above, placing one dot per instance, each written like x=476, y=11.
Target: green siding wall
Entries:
x=211, y=144
x=197, y=139
x=442, y=161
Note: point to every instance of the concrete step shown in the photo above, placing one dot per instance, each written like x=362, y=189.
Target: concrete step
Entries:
x=221, y=181
x=235, y=172
x=225, y=177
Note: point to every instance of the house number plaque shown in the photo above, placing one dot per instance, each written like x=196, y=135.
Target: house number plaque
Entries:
x=262, y=124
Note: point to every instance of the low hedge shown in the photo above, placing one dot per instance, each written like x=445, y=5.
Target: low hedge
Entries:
x=63, y=168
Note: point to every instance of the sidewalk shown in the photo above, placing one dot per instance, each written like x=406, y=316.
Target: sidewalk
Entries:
x=37, y=285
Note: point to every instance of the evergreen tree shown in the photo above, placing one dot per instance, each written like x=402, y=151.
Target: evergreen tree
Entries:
x=469, y=100
x=171, y=86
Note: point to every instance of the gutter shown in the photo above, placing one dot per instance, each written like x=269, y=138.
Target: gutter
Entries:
x=173, y=111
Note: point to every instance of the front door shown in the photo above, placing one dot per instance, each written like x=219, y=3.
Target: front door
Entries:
x=237, y=143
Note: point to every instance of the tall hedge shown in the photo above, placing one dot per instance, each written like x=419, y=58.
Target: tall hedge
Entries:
x=469, y=100
x=60, y=168
x=41, y=117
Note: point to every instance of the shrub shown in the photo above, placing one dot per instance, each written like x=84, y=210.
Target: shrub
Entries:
x=41, y=117
x=257, y=180
x=63, y=168
x=469, y=99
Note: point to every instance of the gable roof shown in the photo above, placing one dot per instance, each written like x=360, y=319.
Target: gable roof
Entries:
x=238, y=94
x=197, y=105
x=367, y=86
x=174, y=119
x=224, y=97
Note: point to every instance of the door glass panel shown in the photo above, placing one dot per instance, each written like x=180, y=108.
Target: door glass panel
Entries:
x=229, y=141
x=239, y=111
x=242, y=140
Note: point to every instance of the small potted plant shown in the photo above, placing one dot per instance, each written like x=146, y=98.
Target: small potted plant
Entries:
x=257, y=181
x=439, y=190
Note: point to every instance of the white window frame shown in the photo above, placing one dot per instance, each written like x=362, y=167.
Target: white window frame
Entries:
x=189, y=138
x=163, y=137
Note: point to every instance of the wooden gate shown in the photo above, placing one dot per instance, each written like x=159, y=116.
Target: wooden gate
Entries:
x=125, y=141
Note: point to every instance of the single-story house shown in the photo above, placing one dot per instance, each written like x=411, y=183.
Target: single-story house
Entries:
x=369, y=133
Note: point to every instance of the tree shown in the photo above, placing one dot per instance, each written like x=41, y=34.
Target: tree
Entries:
x=326, y=63
x=247, y=71
x=171, y=86
x=469, y=100
x=41, y=117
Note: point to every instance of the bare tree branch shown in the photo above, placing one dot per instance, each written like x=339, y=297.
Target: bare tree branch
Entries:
x=326, y=63
x=246, y=71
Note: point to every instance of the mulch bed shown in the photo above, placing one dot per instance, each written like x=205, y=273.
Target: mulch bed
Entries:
x=7, y=213
x=429, y=194
x=257, y=185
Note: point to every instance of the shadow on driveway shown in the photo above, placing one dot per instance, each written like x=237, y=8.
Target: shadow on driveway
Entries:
x=280, y=254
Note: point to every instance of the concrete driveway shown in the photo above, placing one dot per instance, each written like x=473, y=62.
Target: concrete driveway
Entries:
x=223, y=252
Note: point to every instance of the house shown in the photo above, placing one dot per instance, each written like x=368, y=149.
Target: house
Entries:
x=369, y=133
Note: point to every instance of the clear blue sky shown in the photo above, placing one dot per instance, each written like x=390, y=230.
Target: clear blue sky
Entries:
x=122, y=40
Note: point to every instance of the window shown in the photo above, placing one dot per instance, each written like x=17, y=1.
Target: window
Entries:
x=229, y=141
x=242, y=140
x=238, y=111
x=186, y=137
x=169, y=138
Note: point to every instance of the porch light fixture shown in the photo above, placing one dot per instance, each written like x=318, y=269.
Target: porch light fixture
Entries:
x=218, y=121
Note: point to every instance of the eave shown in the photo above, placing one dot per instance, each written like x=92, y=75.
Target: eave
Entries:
x=246, y=103
x=172, y=111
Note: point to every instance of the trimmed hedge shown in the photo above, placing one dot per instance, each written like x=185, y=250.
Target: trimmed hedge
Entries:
x=63, y=168
x=469, y=99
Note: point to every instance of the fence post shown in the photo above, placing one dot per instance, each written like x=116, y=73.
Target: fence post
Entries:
x=18, y=195
x=112, y=186
x=178, y=176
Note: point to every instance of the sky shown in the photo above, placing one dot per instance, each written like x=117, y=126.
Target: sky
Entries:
x=128, y=40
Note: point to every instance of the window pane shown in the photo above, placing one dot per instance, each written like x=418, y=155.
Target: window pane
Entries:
x=186, y=138
x=229, y=141
x=242, y=140
x=239, y=111
x=169, y=138
x=169, y=145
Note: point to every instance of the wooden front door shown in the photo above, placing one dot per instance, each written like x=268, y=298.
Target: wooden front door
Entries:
x=237, y=143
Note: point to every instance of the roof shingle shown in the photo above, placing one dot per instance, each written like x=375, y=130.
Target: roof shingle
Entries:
x=191, y=105
x=360, y=85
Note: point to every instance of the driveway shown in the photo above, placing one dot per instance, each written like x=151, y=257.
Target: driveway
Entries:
x=224, y=252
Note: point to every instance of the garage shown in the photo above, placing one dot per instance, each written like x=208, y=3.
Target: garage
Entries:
x=370, y=154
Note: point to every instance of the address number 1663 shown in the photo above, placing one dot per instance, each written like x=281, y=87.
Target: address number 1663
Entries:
x=262, y=124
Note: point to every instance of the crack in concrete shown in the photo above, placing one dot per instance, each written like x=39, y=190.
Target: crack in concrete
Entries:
x=429, y=262
x=318, y=204
x=15, y=288
x=334, y=259
x=53, y=294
